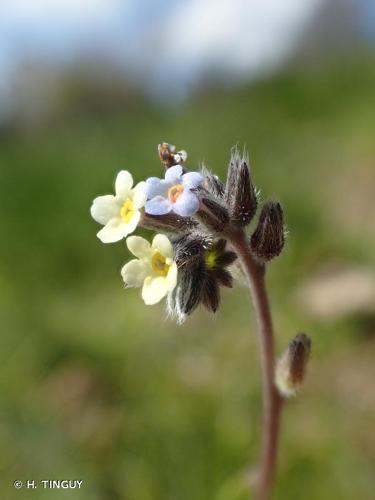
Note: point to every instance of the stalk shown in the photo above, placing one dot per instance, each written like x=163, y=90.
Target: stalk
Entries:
x=272, y=401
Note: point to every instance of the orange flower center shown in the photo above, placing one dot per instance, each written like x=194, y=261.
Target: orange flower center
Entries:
x=174, y=192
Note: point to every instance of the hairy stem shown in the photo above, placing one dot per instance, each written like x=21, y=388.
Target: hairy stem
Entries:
x=272, y=401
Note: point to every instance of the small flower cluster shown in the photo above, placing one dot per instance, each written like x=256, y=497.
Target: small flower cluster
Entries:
x=195, y=215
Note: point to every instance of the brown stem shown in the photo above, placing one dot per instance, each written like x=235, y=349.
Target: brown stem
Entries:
x=272, y=401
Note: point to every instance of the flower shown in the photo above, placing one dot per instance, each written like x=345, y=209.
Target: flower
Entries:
x=154, y=269
x=120, y=214
x=173, y=193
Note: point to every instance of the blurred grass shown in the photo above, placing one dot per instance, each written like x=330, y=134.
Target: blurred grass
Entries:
x=96, y=386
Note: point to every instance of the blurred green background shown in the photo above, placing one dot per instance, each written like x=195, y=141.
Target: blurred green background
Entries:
x=96, y=386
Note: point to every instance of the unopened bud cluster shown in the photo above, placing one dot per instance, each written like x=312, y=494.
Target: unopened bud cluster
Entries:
x=194, y=214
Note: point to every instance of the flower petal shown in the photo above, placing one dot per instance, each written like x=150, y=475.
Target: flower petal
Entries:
x=139, y=247
x=123, y=184
x=163, y=245
x=173, y=175
x=192, y=180
x=187, y=204
x=139, y=195
x=133, y=223
x=134, y=273
x=104, y=208
x=114, y=230
x=158, y=206
x=156, y=187
x=154, y=289
x=171, y=277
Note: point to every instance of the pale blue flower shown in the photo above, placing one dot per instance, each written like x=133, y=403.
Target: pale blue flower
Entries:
x=173, y=193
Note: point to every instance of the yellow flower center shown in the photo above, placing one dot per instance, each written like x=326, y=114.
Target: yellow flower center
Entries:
x=127, y=210
x=159, y=265
x=174, y=192
x=210, y=259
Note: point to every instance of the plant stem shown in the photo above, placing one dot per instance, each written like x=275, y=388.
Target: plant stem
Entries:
x=272, y=401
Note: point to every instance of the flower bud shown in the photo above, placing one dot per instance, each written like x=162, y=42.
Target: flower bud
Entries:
x=189, y=291
x=268, y=238
x=223, y=257
x=168, y=157
x=291, y=367
x=216, y=210
x=168, y=222
x=211, y=213
x=240, y=194
x=211, y=294
x=224, y=278
x=213, y=184
x=190, y=247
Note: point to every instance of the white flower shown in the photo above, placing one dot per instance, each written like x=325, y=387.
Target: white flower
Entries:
x=154, y=269
x=120, y=214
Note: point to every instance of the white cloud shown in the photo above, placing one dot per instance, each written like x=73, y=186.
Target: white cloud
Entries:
x=243, y=36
